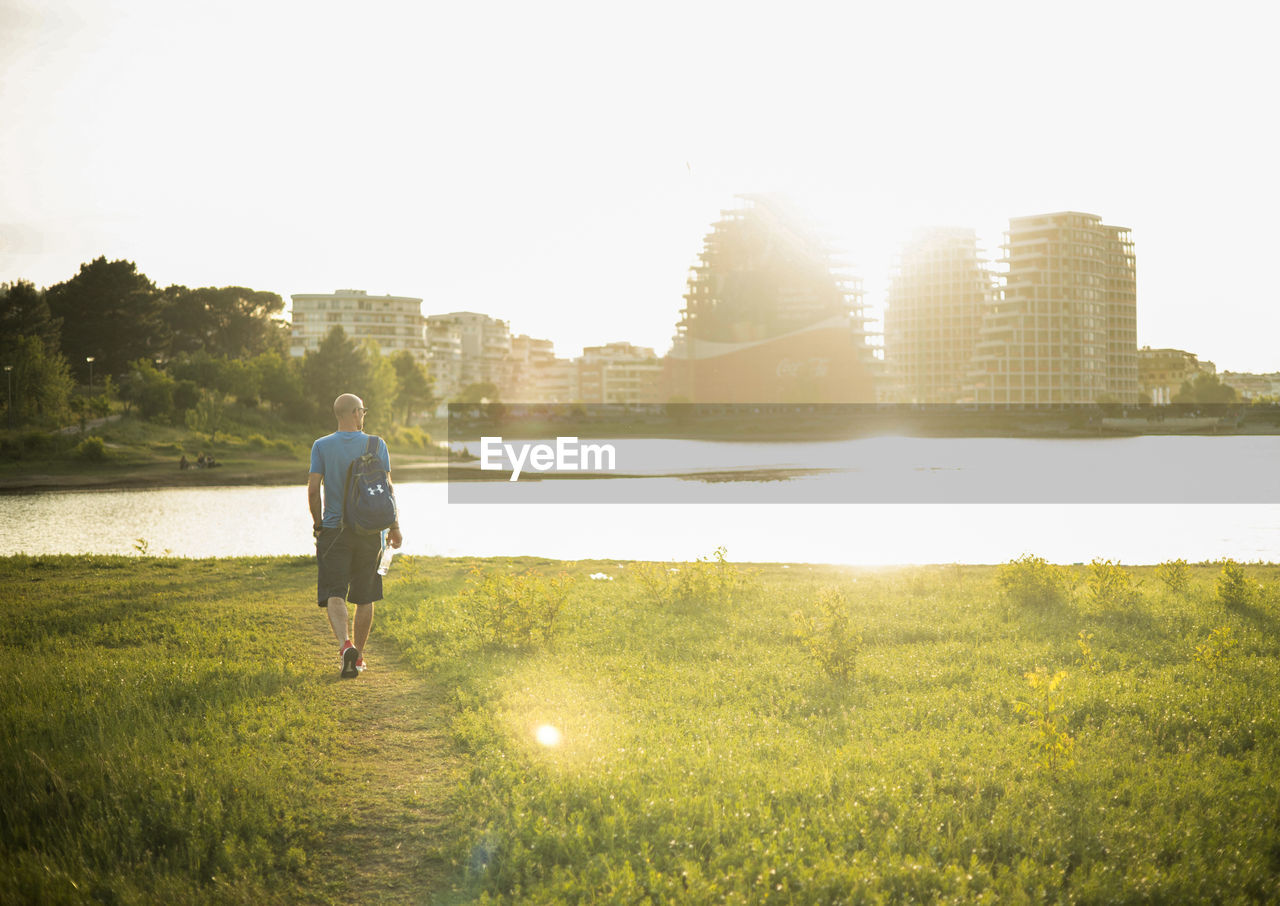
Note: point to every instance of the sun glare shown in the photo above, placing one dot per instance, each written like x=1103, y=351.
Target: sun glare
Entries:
x=547, y=735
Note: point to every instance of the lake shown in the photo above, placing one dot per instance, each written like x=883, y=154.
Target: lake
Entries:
x=234, y=521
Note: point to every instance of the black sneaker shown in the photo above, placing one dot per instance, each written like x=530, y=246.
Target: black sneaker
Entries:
x=350, y=660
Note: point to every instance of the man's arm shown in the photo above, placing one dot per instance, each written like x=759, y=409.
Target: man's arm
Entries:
x=314, y=480
x=393, y=534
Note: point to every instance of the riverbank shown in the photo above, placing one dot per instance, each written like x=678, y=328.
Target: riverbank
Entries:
x=237, y=472
x=701, y=732
x=133, y=454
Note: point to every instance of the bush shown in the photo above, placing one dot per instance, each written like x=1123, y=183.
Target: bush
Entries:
x=92, y=449
x=830, y=641
x=1032, y=581
x=1110, y=585
x=258, y=442
x=707, y=580
x=1235, y=589
x=514, y=611
x=1173, y=573
x=38, y=442
x=1215, y=650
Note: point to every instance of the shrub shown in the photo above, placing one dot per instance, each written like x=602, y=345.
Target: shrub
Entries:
x=514, y=610
x=707, y=580
x=1173, y=573
x=1235, y=589
x=282, y=446
x=1214, y=651
x=828, y=638
x=258, y=442
x=1032, y=581
x=1088, y=660
x=91, y=449
x=1045, y=713
x=38, y=443
x=1110, y=585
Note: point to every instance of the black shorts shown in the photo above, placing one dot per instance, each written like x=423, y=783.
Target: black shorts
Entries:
x=348, y=566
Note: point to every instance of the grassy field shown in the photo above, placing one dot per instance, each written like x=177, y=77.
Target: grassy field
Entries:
x=712, y=734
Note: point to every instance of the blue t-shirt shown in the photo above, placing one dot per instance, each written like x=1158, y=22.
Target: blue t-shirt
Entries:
x=331, y=456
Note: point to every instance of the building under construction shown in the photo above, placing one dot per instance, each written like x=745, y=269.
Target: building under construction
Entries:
x=1063, y=328
x=940, y=290
x=768, y=318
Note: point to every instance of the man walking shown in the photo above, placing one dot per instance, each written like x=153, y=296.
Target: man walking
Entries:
x=347, y=561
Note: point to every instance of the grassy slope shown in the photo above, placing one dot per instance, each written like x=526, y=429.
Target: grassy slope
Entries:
x=173, y=730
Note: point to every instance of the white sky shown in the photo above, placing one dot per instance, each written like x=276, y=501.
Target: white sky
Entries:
x=557, y=165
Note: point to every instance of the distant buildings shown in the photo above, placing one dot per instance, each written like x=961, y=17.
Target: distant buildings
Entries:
x=467, y=348
x=620, y=373
x=939, y=293
x=394, y=322
x=1162, y=372
x=768, y=318
x=1253, y=386
x=1063, y=326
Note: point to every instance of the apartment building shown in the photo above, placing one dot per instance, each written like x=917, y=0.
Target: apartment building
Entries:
x=530, y=356
x=1161, y=373
x=466, y=348
x=1253, y=386
x=1063, y=327
x=394, y=322
x=939, y=291
x=619, y=373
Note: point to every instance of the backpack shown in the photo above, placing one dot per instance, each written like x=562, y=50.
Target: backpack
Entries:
x=368, y=503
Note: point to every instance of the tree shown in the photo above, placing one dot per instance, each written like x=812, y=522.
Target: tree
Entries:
x=110, y=311
x=379, y=388
x=42, y=381
x=208, y=415
x=1205, y=388
x=280, y=383
x=150, y=389
x=337, y=366
x=24, y=312
x=223, y=321
x=413, y=387
x=483, y=392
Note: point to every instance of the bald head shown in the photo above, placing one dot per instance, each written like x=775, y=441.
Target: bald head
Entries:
x=349, y=410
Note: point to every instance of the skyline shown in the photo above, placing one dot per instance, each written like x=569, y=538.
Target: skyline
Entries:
x=559, y=168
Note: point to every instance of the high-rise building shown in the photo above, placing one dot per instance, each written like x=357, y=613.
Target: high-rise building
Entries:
x=395, y=323
x=940, y=290
x=1063, y=327
x=769, y=317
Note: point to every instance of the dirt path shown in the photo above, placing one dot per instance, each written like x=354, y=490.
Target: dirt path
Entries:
x=398, y=777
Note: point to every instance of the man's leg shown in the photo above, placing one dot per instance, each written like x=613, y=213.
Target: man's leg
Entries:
x=337, y=611
x=364, y=622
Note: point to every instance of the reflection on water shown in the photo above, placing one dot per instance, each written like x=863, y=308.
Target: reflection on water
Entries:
x=275, y=520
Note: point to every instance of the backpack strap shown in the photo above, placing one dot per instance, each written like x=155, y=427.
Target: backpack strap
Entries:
x=372, y=448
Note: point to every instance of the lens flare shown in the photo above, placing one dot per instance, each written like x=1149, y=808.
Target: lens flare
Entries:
x=547, y=735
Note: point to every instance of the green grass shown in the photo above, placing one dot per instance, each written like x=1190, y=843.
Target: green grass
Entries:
x=172, y=730
x=708, y=758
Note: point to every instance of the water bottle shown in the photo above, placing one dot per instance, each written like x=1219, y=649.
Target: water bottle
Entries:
x=384, y=564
